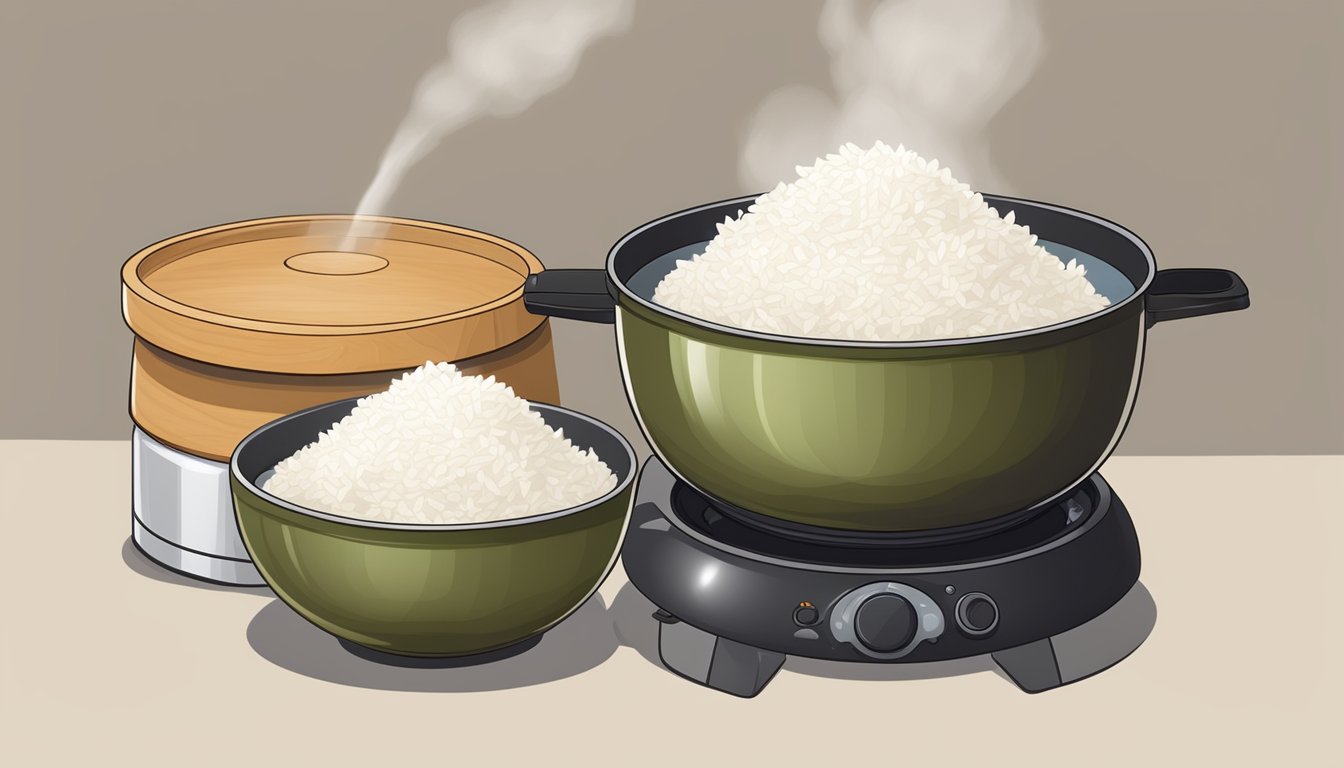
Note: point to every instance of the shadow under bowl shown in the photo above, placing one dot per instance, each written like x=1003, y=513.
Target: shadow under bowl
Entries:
x=429, y=590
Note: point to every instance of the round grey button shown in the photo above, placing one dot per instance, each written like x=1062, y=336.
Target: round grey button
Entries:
x=977, y=614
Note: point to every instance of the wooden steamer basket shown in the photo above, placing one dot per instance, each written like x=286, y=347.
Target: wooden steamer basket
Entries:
x=239, y=324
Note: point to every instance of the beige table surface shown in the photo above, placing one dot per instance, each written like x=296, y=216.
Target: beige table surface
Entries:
x=107, y=660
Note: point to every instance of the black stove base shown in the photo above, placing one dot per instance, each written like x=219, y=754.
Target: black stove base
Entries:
x=736, y=601
x=741, y=670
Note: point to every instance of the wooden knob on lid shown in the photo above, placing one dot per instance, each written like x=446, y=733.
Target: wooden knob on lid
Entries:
x=335, y=263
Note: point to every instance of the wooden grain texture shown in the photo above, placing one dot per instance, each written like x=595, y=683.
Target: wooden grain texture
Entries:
x=206, y=409
x=270, y=295
x=326, y=354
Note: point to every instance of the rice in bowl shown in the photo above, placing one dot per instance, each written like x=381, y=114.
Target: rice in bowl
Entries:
x=440, y=447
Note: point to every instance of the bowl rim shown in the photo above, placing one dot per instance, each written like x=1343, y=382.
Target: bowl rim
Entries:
x=623, y=483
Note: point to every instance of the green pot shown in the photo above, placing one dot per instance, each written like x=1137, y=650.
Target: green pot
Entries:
x=429, y=590
x=884, y=437
x=896, y=440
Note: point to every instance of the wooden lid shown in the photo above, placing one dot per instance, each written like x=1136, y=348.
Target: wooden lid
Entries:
x=282, y=295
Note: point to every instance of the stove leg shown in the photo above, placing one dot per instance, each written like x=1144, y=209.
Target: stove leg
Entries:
x=716, y=662
x=1032, y=666
x=1085, y=650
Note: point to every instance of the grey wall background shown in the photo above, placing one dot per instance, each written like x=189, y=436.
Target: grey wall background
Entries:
x=1211, y=128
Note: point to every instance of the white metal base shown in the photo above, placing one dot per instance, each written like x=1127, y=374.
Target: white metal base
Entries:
x=182, y=514
x=221, y=570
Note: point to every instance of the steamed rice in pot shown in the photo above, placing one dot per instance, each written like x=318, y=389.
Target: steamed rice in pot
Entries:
x=877, y=245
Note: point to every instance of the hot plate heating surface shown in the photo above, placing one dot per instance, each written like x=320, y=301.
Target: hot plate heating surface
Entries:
x=726, y=526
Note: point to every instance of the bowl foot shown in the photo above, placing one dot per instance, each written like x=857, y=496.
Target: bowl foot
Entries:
x=439, y=662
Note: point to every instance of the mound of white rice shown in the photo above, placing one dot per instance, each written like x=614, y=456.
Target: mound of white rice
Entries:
x=441, y=447
x=877, y=245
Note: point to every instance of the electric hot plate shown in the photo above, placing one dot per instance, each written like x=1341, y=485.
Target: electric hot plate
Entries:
x=737, y=597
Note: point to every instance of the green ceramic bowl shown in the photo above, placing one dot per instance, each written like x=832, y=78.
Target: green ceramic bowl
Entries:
x=429, y=590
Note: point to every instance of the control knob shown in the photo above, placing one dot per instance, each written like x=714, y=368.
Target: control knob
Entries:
x=885, y=620
x=885, y=623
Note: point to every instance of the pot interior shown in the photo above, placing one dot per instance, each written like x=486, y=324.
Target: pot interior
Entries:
x=1117, y=262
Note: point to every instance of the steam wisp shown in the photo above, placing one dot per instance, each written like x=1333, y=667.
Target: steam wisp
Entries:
x=502, y=58
x=929, y=74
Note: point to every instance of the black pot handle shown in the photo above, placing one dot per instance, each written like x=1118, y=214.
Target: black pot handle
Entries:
x=574, y=294
x=1177, y=293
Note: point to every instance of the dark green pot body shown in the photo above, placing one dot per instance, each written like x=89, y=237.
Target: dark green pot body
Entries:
x=882, y=439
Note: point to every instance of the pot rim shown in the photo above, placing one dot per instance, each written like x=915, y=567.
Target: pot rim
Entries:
x=622, y=484
x=707, y=325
